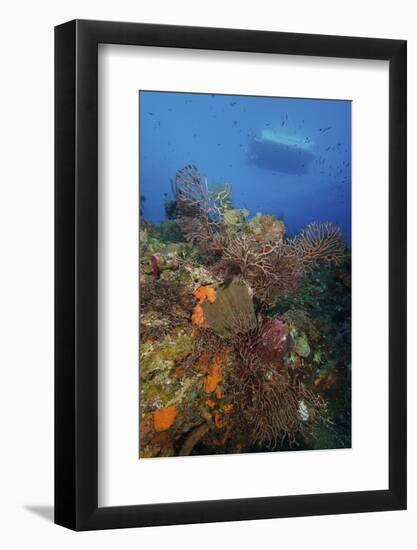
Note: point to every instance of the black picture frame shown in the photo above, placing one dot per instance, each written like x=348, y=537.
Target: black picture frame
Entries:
x=76, y=272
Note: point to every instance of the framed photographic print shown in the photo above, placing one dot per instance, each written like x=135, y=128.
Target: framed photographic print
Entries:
x=230, y=275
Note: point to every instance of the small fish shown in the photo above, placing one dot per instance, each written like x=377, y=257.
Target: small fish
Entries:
x=233, y=104
x=149, y=113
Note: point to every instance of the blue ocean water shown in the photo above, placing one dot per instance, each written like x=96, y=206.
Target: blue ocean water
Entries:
x=288, y=157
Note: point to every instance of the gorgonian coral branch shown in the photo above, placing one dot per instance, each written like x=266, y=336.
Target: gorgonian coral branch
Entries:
x=201, y=212
x=271, y=406
x=253, y=257
x=317, y=242
x=194, y=195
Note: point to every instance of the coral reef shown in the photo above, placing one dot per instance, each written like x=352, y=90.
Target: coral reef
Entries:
x=163, y=306
x=272, y=265
x=244, y=331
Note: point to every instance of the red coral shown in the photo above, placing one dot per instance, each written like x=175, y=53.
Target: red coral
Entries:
x=156, y=272
x=273, y=341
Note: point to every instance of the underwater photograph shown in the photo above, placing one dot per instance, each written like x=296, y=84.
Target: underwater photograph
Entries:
x=244, y=275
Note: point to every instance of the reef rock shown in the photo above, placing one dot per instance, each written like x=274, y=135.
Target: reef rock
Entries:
x=266, y=228
x=235, y=216
x=301, y=345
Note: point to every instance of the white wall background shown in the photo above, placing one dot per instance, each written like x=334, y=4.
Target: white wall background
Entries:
x=26, y=286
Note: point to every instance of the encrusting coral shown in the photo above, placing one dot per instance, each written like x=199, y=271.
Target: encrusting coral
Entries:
x=225, y=367
x=164, y=418
x=214, y=377
x=204, y=292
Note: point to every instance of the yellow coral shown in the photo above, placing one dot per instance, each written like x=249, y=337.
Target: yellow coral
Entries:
x=210, y=294
x=164, y=418
x=213, y=378
x=201, y=294
x=198, y=316
x=205, y=292
x=219, y=421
